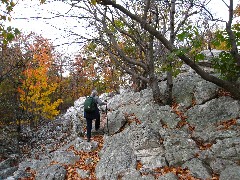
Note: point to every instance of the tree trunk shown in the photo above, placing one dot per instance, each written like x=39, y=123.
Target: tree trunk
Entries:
x=172, y=38
x=169, y=88
x=233, y=88
x=153, y=79
x=155, y=90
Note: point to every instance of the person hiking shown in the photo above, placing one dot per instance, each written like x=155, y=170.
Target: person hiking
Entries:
x=95, y=114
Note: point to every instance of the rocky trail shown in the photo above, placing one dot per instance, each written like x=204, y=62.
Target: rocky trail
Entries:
x=198, y=137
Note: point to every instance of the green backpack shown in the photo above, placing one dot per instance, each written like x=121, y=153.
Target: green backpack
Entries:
x=89, y=104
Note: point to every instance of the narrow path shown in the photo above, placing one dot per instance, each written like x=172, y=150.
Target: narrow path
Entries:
x=87, y=162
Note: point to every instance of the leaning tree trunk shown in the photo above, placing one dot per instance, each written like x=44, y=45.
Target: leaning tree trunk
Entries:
x=233, y=88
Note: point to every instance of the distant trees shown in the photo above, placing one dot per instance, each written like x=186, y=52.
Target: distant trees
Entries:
x=33, y=87
x=13, y=60
x=135, y=42
x=90, y=72
x=25, y=80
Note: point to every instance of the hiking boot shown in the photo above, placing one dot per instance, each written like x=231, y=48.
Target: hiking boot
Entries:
x=88, y=139
x=98, y=132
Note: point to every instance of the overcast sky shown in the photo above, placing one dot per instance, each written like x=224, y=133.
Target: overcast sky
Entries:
x=57, y=29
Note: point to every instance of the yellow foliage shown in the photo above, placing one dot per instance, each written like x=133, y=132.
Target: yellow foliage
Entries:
x=36, y=88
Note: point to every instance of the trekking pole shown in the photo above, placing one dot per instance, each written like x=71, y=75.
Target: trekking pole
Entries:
x=107, y=121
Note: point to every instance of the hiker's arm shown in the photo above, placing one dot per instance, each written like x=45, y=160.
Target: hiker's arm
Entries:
x=100, y=102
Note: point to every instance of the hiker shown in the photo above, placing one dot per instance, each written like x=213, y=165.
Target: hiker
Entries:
x=93, y=115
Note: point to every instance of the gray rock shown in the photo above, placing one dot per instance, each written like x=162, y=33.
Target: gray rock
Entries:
x=144, y=137
x=214, y=111
x=211, y=134
x=168, y=117
x=52, y=172
x=230, y=173
x=238, y=122
x=211, y=54
x=64, y=157
x=151, y=158
x=145, y=112
x=74, y=143
x=168, y=176
x=198, y=169
x=116, y=120
x=10, y=162
x=218, y=164
x=34, y=164
x=87, y=146
x=179, y=148
x=7, y=172
x=152, y=162
x=227, y=148
x=83, y=174
x=116, y=157
x=146, y=96
x=205, y=91
x=183, y=88
x=133, y=174
x=20, y=174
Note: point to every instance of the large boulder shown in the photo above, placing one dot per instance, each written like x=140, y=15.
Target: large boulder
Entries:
x=213, y=111
x=230, y=173
x=116, y=157
x=179, y=147
x=52, y=172
x=190, y=88
x=198, y=169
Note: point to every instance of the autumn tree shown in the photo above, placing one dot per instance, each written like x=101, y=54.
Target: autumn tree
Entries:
x=91, y=73
x=36, y=87
x=136, y=51
x=232, y=87
x=13, y=59
x=82, y=77
x=126, y=47
x=109, y=77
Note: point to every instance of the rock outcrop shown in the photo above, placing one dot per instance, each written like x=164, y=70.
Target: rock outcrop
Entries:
x=198, y=137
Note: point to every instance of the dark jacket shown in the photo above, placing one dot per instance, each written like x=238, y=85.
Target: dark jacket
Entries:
x=95, y=114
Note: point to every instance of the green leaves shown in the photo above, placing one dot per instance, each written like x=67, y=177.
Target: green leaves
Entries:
x=186, y=33
x=9, y=34
x=226, y=66
x=199, y=57
x=183, y=35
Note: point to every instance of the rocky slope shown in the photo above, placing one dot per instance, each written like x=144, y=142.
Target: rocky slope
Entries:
x=197, y=138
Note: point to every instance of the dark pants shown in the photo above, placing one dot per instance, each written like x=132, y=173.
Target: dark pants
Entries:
x=89, y=124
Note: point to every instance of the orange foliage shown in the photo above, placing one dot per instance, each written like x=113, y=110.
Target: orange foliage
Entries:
x=91, y=74
x=227, y=124
x=81, y=164
x=36, y=87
